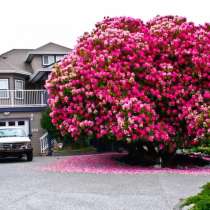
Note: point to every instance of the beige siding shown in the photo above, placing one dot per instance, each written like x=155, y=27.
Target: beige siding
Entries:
x=36, y=62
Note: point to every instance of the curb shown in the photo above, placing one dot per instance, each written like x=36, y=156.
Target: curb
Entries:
x=178, y=206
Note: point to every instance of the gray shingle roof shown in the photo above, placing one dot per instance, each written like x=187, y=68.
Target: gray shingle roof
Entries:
x=52, y=47
x=15, y=60
x=47, y=49
x=18, y=60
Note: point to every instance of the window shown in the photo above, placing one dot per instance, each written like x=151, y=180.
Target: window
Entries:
x=19, y=86
x=12, y=123
x=48, y=60
x=21, y=123
x=4, y=86
x=59, y=57
x=2, y=123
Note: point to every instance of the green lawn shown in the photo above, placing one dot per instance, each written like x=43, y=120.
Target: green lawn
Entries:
x=69, y=150
x=203, y=149
x=201, y=201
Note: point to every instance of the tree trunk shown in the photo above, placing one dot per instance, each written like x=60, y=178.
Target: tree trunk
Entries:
x=142, y=153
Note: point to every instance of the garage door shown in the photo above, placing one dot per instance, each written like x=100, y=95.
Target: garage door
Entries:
x=16, y=123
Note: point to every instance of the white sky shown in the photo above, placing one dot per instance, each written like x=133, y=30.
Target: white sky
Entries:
x=32, y=23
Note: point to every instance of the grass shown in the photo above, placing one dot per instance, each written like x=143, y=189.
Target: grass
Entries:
x=202, y=149
x=70, y=150
x=200, y=201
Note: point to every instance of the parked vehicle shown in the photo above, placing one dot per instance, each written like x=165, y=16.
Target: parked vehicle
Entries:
x=23, y=73
x=15, y=143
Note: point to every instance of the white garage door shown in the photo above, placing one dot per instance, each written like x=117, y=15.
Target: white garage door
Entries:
x=16, y=123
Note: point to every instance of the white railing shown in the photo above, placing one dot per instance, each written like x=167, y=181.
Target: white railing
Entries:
x=44, y=146
x=44, y=143
x=23, y=98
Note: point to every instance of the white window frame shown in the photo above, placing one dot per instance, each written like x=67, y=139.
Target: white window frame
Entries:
x=48, y=63
x=1, y=89
x=18, y=94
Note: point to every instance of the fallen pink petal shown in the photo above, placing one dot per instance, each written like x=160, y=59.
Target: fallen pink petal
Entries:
x=107, y=164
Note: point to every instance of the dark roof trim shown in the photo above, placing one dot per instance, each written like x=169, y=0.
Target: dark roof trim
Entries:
x=37, y=75
x=23, y=109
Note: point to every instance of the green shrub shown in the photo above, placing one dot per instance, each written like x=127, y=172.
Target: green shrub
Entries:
x=200, y=201
x=67, y=139
x=203, y=149
x=47, y=125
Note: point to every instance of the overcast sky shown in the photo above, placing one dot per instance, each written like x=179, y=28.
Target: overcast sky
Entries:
x=30, y=24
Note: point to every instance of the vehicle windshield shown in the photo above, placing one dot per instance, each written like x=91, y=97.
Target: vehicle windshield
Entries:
x=12, y=132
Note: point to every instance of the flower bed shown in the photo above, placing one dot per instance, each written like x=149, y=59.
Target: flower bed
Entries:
x=106, y=163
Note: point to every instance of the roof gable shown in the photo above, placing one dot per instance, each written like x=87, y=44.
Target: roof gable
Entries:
x=52, y=47
x=47, y=49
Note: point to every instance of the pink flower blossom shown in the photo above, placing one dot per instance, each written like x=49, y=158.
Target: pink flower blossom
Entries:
x=135, y=80
x=106, y=164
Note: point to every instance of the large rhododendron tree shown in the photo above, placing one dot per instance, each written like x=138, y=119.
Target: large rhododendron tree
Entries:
x=135, y=82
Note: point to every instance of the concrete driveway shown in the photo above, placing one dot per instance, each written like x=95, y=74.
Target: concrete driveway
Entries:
x=24, y=187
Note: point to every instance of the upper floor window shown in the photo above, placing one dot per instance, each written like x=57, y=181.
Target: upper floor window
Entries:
x=19, y=86
x=48, y=60
x=51, y=59
x=4, y=87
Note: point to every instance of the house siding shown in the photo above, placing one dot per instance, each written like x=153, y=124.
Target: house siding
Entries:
x=12, y=78
x=36, y=63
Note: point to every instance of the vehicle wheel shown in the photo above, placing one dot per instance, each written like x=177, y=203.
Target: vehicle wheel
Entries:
x=29, y=156
x=20, y=156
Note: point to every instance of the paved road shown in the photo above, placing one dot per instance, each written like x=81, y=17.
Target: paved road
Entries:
x=23, y=187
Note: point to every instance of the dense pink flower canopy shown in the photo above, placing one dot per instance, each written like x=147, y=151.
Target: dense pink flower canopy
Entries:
x=135, y=81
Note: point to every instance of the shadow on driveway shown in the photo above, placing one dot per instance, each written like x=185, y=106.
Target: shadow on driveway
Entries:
x=12, y=160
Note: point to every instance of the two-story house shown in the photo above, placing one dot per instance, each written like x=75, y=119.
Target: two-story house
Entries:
x=22, y=95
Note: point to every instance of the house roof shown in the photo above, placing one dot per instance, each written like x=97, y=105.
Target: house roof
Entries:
x=47, y=49
x=52, y=46
x=13, y=62
x=39, y=74
x=18, y=60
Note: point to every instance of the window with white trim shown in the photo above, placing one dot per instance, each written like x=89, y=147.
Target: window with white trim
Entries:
x=4, y=87
x=19, y=87
x=2, y=124
x=48, y=60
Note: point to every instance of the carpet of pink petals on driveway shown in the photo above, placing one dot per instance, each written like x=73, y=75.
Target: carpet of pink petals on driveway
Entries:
x=106, y=164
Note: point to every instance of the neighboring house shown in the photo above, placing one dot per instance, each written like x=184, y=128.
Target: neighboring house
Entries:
x=22, y=95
